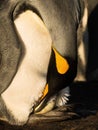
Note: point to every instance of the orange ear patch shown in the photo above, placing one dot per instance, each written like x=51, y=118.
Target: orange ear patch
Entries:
x=61, y=63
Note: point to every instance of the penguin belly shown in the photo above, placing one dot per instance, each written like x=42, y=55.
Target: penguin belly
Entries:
x=29, y=82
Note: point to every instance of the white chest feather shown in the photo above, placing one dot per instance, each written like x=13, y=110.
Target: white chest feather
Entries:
x=30, y=79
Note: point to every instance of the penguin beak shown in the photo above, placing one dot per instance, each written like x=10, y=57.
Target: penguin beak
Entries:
x=45, y=104
x=41, y=103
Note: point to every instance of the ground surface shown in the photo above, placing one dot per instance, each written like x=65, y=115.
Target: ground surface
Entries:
x=82, y=113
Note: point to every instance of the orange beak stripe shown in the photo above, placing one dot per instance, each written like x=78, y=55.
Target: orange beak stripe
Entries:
x=45, y=92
